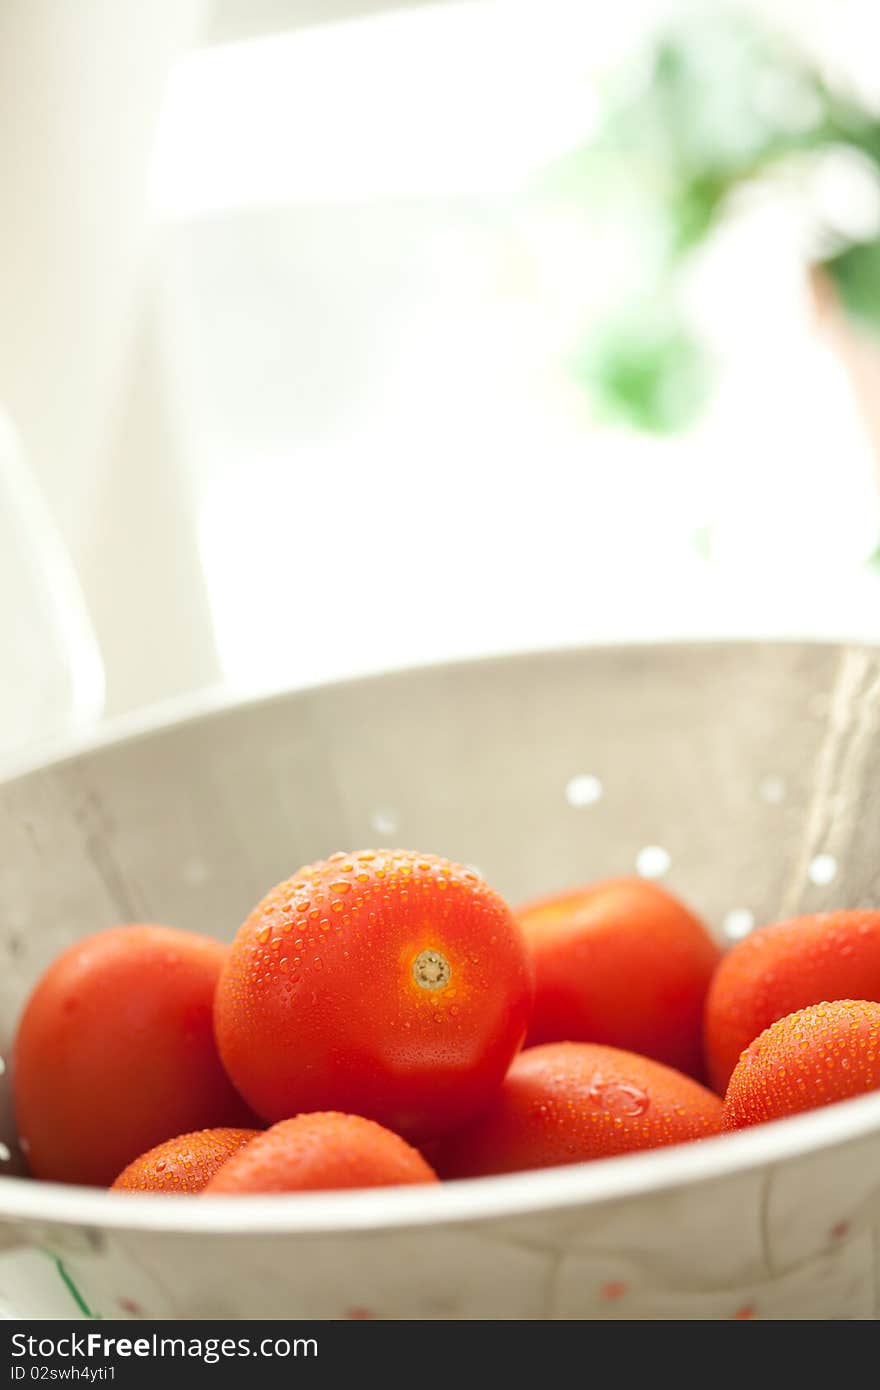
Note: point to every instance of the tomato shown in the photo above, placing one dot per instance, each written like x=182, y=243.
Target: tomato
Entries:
x=321, y=1152
x=569, y=1102
x=624, y=963
x=820, y=1054
x=184, y=1164
x=115, y=1051
x=382, y=983
x=785, y=967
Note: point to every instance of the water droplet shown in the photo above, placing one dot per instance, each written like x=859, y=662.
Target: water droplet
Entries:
x=618, y=1097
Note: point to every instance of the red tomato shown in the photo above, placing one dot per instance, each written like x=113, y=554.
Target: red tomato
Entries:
x=569, y=1102
x=115, y=1051
x=184, y=1164
x=624, y=963
x=782, y=968
x=322, y=1152
x=382, y=983
x=814, y=1057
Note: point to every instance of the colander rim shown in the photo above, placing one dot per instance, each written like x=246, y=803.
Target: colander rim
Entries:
x=26, y=1202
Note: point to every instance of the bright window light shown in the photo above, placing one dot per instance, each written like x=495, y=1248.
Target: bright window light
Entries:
x=390, y=459
x=441, y=100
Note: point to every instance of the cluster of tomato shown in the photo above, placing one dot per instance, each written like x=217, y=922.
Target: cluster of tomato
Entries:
x=365, y=1029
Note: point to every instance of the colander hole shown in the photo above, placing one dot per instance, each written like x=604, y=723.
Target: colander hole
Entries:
x=5, y=1155
x=652, y=862
x=822, y=870
x=2, y=1066
x=771, y=790
x=738, y=923
x=583, y=790
x=385, y=821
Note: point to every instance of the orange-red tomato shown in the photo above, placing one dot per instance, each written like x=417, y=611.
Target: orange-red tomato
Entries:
x=381, y=983
x=184, y=1164
x=818, y=1055
x=322, y=1152
x=785, y=967
x=568, y=1102
x=621, y=962
x=115, y=1051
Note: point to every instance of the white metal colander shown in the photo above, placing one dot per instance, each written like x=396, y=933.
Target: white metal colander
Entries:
x=745, y=775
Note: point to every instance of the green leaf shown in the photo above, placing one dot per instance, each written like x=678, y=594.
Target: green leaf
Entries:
x=644, y=370
x=873, y=560
x=855, y=272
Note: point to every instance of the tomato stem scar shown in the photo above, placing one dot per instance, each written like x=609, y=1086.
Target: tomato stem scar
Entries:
x=431, y=970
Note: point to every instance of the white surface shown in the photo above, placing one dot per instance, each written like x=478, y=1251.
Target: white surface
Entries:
x=53, y=678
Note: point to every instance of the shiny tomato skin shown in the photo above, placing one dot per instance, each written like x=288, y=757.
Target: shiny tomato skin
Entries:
x=322, y=1152
x=319, y=1006
x=183, y=1164
x=624, y=963
x=785, y=967
x=572, y=1102
x=115, y=1051
x=818, y=1055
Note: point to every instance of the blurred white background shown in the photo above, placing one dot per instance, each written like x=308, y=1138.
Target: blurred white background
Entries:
x=282, y=348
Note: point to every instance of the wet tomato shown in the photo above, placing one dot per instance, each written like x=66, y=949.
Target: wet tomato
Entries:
x=322, y=1152
x=820, y=1054
x=184, y=1164
x=115, y=1051
x=782, y=968
x=381, y=983
x=624, y=963
x=569, y=1102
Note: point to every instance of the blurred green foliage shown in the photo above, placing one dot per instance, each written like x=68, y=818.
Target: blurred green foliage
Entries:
x=714, y=106
x=856, y=274
x=645, y=369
